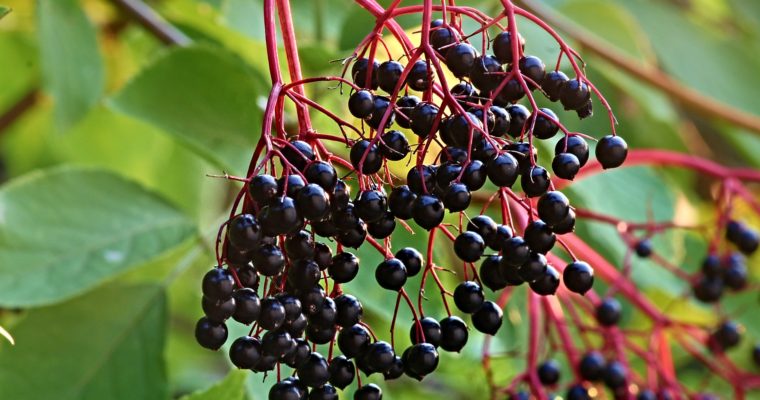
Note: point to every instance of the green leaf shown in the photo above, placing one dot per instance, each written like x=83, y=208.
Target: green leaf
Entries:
x=4, y=11
x=71, y=64
x=205, y=97
x=107, y=344
x=66, y=230
x=230, y=388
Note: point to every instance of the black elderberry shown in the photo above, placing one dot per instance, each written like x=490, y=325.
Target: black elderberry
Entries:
x=396, y=371
x=577, y=392
x=389, y=74
x=404, y=106
x=484, y=226
x=296, y=327
x=465, y=94
x=441, y=36
x=267, y=363
x=263, y=188
x=236, y=258
x=708, y=289
x=245, y=352
x=567, y=225
x=643, y=248
x=298, y=354
x=391, y=274
x=349, y=310
x=518, y=116
x=247, y=306
x=475, y=174
x=324, y=228
x=298, y=153
x=469, y=246
x=574, y=94
x=327, y=314
x=353, y=341
x=394, y=145
x=591, y=366
x=553, y=207
x=615, y=375
x=575, y=145
x=370, y=205
x=218, y=284
x=430, y=333
x=452, y=154
x=359, y=74
x=314, y=372
x=578, y=277
x=756, y=354
x=460, y=59
x=291, y=304
x=646, y=394
x=340, y=196
x=533, y=268
x=539, y=236
x=421, y=360
x=368, y=392
x=553, y=83
x=380, y=357
x=503, y=170
x=748, y=241
x=485, y=73
x=326, y=392
x=535, y=182
x=285, y=390
x=422, y=119
x=299, y=245
x=585, y=110
x=342, y=372
x=488, y=318
x=545, y=126
x=346, y=218
x=457, y=197
x=453, y=334
x=380, y=106
x=361, y=103
x=502, y=234
x=510, y=93
x=502, y=121
x=304, y=274
x=312, y=299
x=354, y=236
x=412, y=260
x=515, y=252
x=523, y=152
x=447, y=173
x=534, y=69
x=209, y=334
x=383, y=227
x=277, y=343
x=268, y=260
x=549, y=372
x=320, y=334
x=420, y=76
x=510, y=274
x=400, y=202
x=490, y=273
x=727, y=335
x=566, y=166
x=465, y=129
x=711, y=266
x=608, y=312
x=365, y=157
x=502, y=47
x=244, y=232
x=280, y=217
x=611, y=151
x=427, y=211
x=735, y=272
x=322, y=255
x=290, y=185
x=468, y=297
x=218, y=310
x=272, y=314
x=547, y=283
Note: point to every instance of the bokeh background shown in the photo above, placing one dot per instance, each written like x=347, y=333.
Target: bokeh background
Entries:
x=107, y=217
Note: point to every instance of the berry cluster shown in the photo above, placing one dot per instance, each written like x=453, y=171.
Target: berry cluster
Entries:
x=439, y=160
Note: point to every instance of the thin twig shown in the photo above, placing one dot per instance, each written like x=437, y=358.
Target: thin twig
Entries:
x=150, y=20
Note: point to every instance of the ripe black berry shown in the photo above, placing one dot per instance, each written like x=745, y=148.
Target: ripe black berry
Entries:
x=460, y=59
x=304, y=274
x=349, y=310
x=312, y=299
x=536, y=182
x=383, y=227
x=272, y=314
x=263, y=188
x=615, y=375
x=575, y=145
x=465, y=94
x=370, y=205
x=577, y=392
x=341, y=371
x=277, y=343
x=380, y=106
x=457, y=197
x=320, y=334
x=490, y=273
x=545, y=126
x=549, y=372
x=354, y=236
x=518, y=115
x=218, y=284
x=244, y=232
x=420, y=76
x=727, y=335
x=353, y=341
x=394, y=145
x=441, y=36
x=735, y=272
x=591, y=366
x=422, y=119
x=488, y=318
x=298, y=153
x=608, y=312
x=391, y=274
x=611, y=151
x=421, y=360
x=400, y=201
x=314, y=372
x=566, y=166
x=285, y=390
x=340, y=196
x=396, y=371
x=515, y=252
x=359, y=74
x=539, y=236
x=553, y=207
x=567, y=225
x=430, y=333
x=453, y=334
x=534, y=69
x=427, y=211
x=547, y=283
x=469, y=246
x=468, y=296
x=388, y=75
x=280, y=217
x=503, y=170
x=299, y=245
x=326, y=392
x=502, y=47
x=578, y=277
x=412, y=260
x=369, y=153
x=379, y=357
x=247, y=306
x=553, y=83
x=268, y=260
x=218, y=310
x=344, y=267
x=404, y=107
x=574, y=94
x=708, y=289
x=368, y=392
x=209, y=334
x=245, y=352
x=475, y=174
x=523, y=152
x=485, y=73
x=643, y=248
x=312, y=202
x=361, y=104
x=534, y=268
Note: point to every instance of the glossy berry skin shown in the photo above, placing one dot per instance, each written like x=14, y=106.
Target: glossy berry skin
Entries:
x=218, y=310
x=518, y=116
x=369, y=153
x=218, y=284
x=515, y=252
x=268, y=260
x=299, y=245
x=615, y=375
x=412, y=260
x=285, y=390
x=396, y=371
x=708, y=289
x=326, y=392
x=359, y=74
x=567, y=225
x=534, y=69
x=726, y=335
x=400, y=202
x=394, y=145
x=460, y=59
x=545, y=127
x=389, y=74
x=245, y=352
x=380, y=105
x=611, y=151
x=244, y=232
x=379, y=357
x=361, y=103
x=342, y=372
x=391, y=274
x=349, y=310
x=303, y=274
x=371, y=205
x=263, y=188
x=298, y=153
x=485, y=73
x=468, y=297
x=574, y=94
x=643, y=248
x=404, y=106
x=578, y=277
x=502, y=47
x=488, y=318
x=547, y=283
x=354, y=236
x=422, y=119
x=280, y=217
x=344, y=267
x=465, y=93
x=591, y=366
x=553, y=207
x=575, y=145
x=314, y=371
x=539, y=236
x=383, y=227
x=431, y=332
x=209, y=334
x=549, y=372
x=421, y=360
x=475, y=174
x=577, y=392
x=469, y=246
x=499, y=238
x=272, y=314
x=535, y=182
x=457, y=197
x=553, y=83
x=566, y=166
x=368, y=392
x=503, y=170
x=427, y=211
x=608, y=312
x=247, y=306
x=534, y=268
x=354, y=341
x=312, y=202
x=420, y=76
x=490, y=273
x=277, y=343
x=453, y=334
x=441, y=36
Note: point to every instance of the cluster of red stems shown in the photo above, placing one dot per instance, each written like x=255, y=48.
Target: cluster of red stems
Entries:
x=287, y=285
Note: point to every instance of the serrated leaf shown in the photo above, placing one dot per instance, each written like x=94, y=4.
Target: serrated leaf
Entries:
x=66, y=230
x=207, y=98
x=71, y=64
x=107, y=344
x=231, y=387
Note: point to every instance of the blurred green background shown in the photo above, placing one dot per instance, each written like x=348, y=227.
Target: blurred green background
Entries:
x=107, y=217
